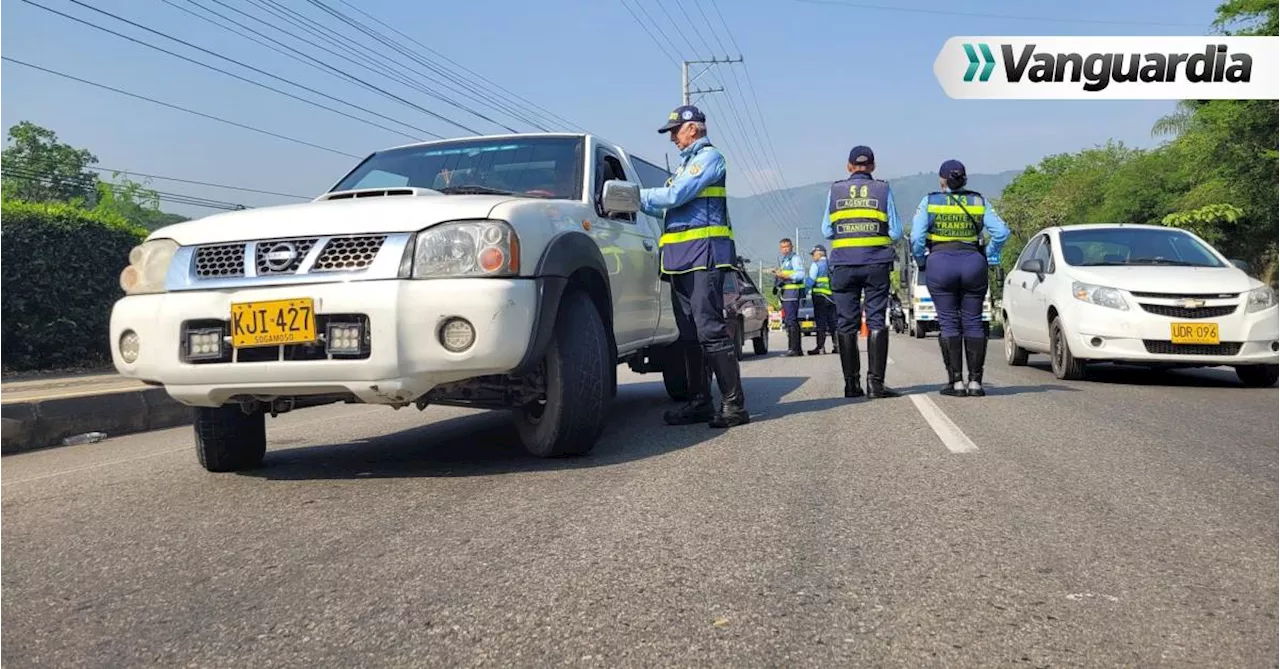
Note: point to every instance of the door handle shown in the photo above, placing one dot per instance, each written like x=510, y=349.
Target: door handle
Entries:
x=648, y=244
x=1024, y=284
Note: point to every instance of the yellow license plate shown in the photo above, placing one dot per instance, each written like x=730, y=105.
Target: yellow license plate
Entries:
x=1194, y=333
x=806, y=324
x=273, y=323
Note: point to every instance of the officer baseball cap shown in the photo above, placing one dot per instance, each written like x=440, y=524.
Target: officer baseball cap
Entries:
x=862, y=155
x=819, y=247
x=951, y=169
x=682, y=115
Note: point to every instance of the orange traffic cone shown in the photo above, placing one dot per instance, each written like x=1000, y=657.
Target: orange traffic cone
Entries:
x=864, y=322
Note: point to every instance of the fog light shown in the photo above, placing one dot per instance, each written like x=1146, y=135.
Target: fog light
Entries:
x=457, y=335
x=344, y=338
x=130, y=346
x=1275, y=346
x=1095, y=342
x=204, y=344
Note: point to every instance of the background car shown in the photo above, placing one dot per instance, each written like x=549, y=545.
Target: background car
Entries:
x=1138, y=294
x=746, y=312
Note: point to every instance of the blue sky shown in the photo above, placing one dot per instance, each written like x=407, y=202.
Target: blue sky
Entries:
x=827, y=74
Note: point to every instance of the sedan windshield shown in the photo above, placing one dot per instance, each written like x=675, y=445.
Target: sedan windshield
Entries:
x=547, y=167
x=1099, y=247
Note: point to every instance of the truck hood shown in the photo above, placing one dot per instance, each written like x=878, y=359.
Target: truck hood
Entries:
x=388, y=213
x=1171, y=280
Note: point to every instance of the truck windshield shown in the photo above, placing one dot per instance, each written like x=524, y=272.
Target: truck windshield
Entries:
x=547, y=167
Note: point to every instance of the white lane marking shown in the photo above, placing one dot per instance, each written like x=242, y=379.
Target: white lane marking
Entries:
x=950, y=434
x=308, y=425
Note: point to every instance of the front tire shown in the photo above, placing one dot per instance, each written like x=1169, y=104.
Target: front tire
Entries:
x=1065, y=366
x=739, y=338
x=761, y=343
x=918, y=331
x=576, y=371
x=228, y=439
x=674, y=375
x=1258, y=376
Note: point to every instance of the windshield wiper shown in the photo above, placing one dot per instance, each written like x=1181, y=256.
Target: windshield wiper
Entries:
x=477, y=190
x=1166, y=261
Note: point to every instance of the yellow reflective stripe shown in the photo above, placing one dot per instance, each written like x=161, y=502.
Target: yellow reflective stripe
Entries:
x=823, y=281
x=695, y=234
x=821, y=291
x=956, y=209
x=874, y=214
x=860, y=241
x=713, y=191
x=792, y=286
x=947, y=238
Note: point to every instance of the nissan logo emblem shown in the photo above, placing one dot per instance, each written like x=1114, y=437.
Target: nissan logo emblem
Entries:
x=280, y=256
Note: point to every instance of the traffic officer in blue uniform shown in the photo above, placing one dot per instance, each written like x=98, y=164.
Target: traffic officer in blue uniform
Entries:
x=948, y=227
x=862, y=223
x=824, y=307
x=695, y=249
x=789, y=280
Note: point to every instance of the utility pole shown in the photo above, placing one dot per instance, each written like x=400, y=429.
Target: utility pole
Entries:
x=686, y=81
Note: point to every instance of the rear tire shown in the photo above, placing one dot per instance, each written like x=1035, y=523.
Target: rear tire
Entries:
x=761, y=343
x=1065, y=366
x=228, y=440
x=1258, y=376
x=674, y=375
x=1014, y=355
x=918, y=331
x=576, y=369
x=739, y=338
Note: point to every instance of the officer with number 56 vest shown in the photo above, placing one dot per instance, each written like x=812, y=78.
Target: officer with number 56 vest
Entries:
x=862, y=223
x=695, y=249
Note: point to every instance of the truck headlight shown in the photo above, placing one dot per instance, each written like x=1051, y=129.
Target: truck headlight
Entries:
x=1099, y=295
x=1260, y=298
x=148, y=265
x=465, y=248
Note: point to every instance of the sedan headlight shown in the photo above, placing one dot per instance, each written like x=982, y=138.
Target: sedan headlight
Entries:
x=465, y=248
x=1260, y=298
x=148, y=266
x=1099, y=295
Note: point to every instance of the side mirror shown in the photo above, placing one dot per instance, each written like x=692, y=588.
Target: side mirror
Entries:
x=1034, y=266
x=1240, y=264
x=620, y=197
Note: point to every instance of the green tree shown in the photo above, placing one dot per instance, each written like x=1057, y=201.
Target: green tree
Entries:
x=37, y=167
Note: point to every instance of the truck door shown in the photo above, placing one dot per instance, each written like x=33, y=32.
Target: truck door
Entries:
x=630, y=252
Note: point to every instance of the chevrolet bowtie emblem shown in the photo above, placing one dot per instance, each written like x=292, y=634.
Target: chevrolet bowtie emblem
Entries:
x=1192, y=303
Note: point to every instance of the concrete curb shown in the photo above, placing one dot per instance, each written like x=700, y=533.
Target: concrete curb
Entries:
x=39, y=424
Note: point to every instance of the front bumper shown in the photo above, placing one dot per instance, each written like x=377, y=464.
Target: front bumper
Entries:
x=1103, y=334
x=405, y=357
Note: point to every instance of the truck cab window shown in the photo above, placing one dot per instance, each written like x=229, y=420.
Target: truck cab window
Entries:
x=608, y=167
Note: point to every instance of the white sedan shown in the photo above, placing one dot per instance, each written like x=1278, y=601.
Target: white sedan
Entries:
x=1138, y=294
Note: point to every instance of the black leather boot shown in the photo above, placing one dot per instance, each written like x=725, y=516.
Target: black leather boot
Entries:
x=698, y=409
x=975, y=351
x=850, y=364
x=793, y=341
x=952, y=358
x=733, y=409
x=877, y=360
x=822, y=343
x=835, y=342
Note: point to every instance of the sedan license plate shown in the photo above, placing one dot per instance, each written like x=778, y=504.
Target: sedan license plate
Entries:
x=1194, y=333
x=806, y=324
x=273, y=323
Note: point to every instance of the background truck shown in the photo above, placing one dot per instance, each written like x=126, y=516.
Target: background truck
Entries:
x=922, y=317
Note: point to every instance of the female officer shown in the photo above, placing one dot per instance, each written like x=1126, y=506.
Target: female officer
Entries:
x=948, y=226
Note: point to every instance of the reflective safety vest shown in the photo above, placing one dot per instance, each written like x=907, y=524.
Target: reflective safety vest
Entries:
x=955, y=219
x=791, y=289
x=822, y=286
x=859, y=215
x=697, y=233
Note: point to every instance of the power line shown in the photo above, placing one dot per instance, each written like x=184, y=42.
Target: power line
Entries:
x=229, y=74
x=175, y=198
x=546, y=115
x=644, y=26
x=978, y=15
x=273, y=76
x=198, y=183
x=181, y=109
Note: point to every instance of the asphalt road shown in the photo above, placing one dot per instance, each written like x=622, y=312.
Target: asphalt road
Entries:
x=1129, y=520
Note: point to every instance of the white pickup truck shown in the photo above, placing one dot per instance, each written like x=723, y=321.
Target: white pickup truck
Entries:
x=506, y=272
